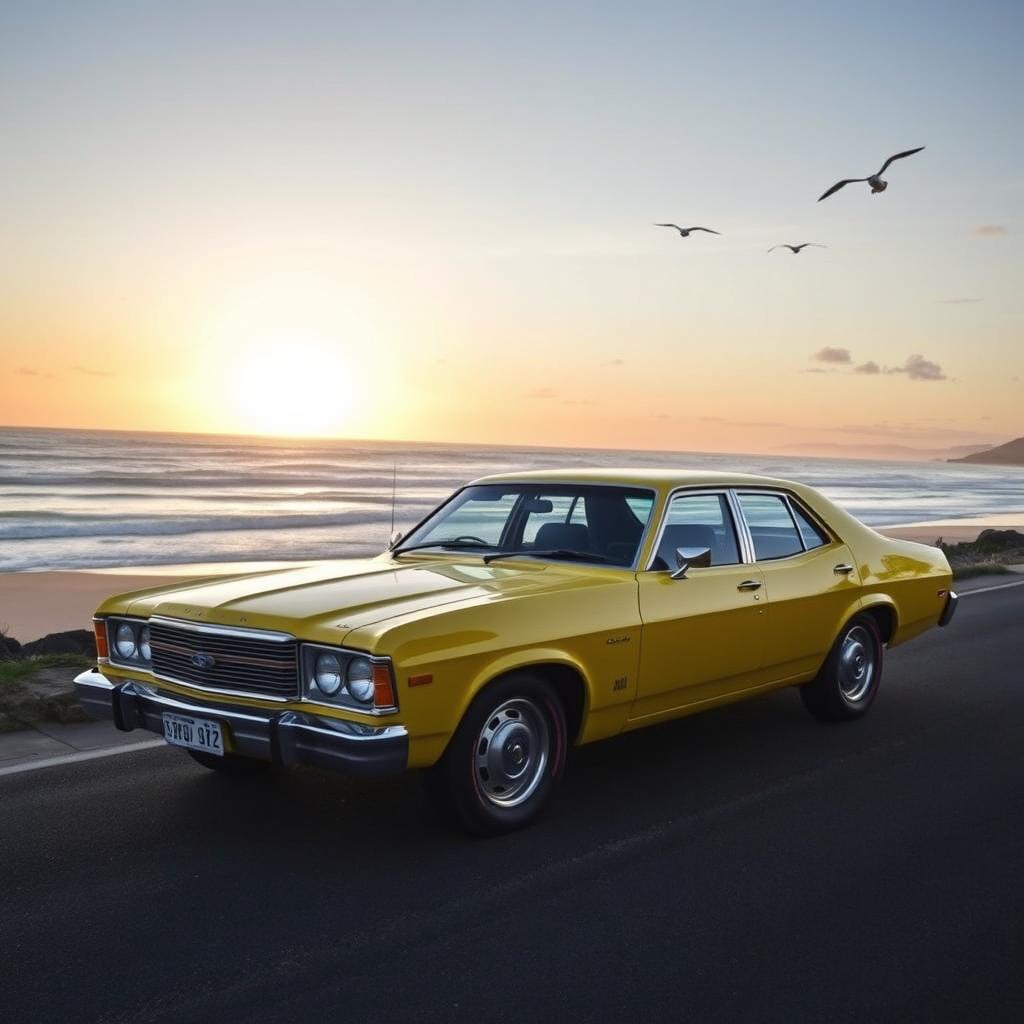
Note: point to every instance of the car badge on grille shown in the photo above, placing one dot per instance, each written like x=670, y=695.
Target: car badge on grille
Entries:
x=203, y=660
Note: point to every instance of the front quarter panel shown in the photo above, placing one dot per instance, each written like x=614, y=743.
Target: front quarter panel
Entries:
x=590, y=628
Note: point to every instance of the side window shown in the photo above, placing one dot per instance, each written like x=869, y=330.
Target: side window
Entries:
x=698, y=520
x=771, y=526
x=809, y=530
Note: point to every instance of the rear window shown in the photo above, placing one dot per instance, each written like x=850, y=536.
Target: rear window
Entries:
x=812, y=534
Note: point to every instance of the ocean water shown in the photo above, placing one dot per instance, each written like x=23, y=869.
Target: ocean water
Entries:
x=74, y=499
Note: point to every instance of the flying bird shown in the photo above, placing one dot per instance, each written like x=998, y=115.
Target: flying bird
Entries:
x=685, y=232
x=795, y=249
x=874, y=180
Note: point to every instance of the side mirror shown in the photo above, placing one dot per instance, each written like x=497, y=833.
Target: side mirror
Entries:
x=396, y=539
x=691, y=558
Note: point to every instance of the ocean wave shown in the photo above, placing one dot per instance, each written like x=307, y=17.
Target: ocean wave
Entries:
x=126, y=526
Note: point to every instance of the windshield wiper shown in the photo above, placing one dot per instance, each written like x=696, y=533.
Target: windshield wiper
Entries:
x=450, y=545
x=584, y=556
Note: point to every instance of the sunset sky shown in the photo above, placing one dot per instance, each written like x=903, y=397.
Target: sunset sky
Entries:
x=433, y=221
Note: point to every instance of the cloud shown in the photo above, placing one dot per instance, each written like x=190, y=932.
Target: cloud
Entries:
x=816, y=369
x=918, y=368
x=615, y=362
x=89, y=371
x=27, y=371
x=870, y=367
x=828, y=354
x=956, y=302
x=990, y=230
x=738, y=423
x=541, y=393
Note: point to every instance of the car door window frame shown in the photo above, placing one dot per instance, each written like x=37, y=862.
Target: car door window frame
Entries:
x=743, y=542
x=790, y=502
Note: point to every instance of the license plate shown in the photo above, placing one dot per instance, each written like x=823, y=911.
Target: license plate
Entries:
x=194, y=733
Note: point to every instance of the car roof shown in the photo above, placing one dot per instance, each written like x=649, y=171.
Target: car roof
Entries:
x=664, y=478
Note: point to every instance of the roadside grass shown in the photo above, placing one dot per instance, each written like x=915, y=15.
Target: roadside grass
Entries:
x=38, y=689
x=966, y=571
x=25, y=668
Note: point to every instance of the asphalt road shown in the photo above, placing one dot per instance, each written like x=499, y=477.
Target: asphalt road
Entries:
x=744, y=864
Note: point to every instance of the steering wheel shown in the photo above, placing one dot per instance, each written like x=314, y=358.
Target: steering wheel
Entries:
x=471, y=538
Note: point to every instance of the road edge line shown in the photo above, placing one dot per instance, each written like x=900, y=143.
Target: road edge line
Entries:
x=988, y=590
x=80, y=755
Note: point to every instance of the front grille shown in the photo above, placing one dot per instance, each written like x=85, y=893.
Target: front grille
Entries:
x=230, y=660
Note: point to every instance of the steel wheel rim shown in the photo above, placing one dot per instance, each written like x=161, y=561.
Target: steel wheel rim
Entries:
x=856, y=665
x=512, y=752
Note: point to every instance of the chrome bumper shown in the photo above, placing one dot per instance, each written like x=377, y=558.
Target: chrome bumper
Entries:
x=950, y=610
x=284, y=737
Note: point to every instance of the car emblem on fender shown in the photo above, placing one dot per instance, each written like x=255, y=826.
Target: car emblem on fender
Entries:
x=203, y=660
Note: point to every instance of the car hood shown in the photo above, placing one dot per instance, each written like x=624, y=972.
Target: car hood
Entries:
x=324, y=602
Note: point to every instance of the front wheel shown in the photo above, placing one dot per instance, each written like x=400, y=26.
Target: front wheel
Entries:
x=505, y=758
x=848, y=681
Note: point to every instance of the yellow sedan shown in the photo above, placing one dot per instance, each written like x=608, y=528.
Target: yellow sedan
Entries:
x=528, y=613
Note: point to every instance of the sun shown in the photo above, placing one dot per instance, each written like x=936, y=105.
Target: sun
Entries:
x=294, y=387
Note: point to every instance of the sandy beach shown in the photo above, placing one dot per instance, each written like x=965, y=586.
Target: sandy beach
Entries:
x=33, y=604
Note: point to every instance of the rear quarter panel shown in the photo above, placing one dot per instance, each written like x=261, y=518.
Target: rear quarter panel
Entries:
x=909, y=579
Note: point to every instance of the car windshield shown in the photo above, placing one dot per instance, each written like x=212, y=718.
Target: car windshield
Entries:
x=556, y=521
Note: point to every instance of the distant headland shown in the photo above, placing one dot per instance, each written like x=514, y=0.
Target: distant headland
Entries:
x=1009, y=454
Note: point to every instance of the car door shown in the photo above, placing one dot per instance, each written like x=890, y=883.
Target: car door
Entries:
x=702, y=634
x=810, y=581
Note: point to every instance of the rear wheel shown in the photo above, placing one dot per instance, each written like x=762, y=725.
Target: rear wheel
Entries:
x=848, y=681
x=231, y=764
x=504, y=759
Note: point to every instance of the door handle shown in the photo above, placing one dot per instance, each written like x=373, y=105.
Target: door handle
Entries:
x=843, y=568
x=749, y=585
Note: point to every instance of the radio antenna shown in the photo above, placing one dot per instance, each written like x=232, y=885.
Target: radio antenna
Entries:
x=394, y=491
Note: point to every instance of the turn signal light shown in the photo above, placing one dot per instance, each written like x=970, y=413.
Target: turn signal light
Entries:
x=99, y=627
x=383, y=687
x=423, y=680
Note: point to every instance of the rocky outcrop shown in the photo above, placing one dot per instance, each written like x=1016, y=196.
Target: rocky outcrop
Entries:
x=1009, y=454
x=72, y=641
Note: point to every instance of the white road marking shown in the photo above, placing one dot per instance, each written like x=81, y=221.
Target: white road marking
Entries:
x=80, y=755
x=987, y=590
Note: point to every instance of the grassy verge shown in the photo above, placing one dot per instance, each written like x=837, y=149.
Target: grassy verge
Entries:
x=963, y=571
x=39, y=690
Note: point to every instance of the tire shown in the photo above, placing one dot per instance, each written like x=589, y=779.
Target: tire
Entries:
x=505, y=758
x=848, y=681
x=231, y=764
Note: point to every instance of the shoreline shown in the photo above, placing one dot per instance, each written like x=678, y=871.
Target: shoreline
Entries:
x=34, y=603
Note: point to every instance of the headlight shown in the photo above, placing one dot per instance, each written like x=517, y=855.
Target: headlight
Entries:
x=360, y=680
x=327, y=674
x=124, y=640
x=144, y=648
x=348, y=679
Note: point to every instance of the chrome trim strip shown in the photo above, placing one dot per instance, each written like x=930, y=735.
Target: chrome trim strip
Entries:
x=242, y=632
x=250, y=694
x=90, y=677
x=292, y=719
x=746, y=537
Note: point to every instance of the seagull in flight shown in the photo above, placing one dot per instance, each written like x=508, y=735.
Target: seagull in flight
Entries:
x=685, y=232
x=795, y=249
x=874, y=180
